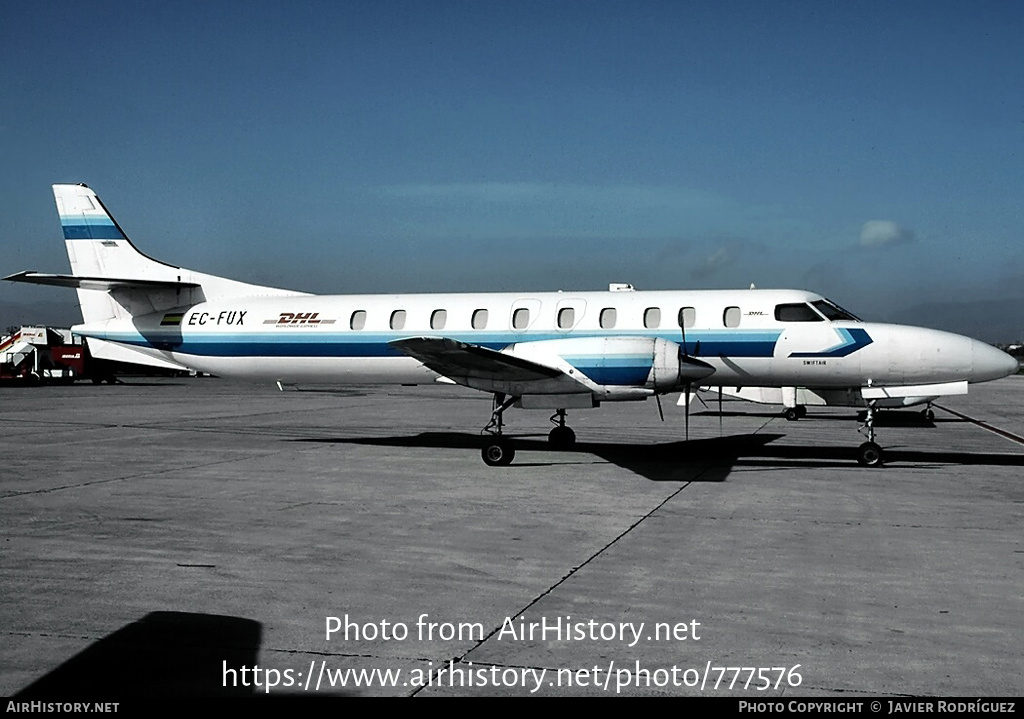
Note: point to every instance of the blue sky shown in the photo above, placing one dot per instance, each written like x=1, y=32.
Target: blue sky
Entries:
x=871, y=151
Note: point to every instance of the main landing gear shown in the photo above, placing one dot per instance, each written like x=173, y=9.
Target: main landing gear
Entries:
x=795, y=413
x=499, y=450
x=562, y=436
x=869, y=454
x=927, y=414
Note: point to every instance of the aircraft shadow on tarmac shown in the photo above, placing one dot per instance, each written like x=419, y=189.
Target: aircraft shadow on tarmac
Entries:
x=700, y=460
x=164, y=654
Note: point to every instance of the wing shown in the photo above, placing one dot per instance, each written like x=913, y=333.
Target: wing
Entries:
x=486, y=369
x=919, y=390
x=883, y=396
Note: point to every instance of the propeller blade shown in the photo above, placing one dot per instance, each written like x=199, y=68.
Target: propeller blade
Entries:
x=720, y=430
x=661, y=414
x=686, y=412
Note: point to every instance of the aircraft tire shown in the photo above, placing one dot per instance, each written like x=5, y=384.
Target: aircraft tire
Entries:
x=562, y=437
x=869, y=454
x=498, y=452
x=793, y=414
x=928, y=415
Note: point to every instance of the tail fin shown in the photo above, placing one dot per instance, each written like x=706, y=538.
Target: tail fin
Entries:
x=96, y=244
x=129, y=283
x=99, y=249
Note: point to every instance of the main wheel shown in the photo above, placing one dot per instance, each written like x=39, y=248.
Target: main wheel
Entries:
x=562, y=437
x=498, y=452
x=793, y=414
x=869, y=454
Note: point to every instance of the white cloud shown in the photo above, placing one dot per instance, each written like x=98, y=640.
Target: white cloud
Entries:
x=884, y=233
x=722, y=257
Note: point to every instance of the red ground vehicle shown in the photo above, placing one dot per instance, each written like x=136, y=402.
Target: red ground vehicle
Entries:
x=35, y=355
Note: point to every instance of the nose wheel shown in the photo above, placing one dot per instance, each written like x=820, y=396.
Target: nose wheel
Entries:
x=869, y=454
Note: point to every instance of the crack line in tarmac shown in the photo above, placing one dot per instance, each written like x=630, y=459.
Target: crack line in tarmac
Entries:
x=546, y=592
x=459, y=659
x=984, y=425
x=591, y=558
x=151, y=473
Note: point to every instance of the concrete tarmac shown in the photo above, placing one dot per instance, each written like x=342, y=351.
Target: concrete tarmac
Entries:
x=168, y=537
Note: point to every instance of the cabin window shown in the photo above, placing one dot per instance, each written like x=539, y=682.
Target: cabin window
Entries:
x=796, y=312
x=398, y=319
x=358, y=320
x=479, y=319
x=438, y=319
x=731, y=317
x=608, y=318
x=566, y=318
x=687, y=316
x=652, y=317
x=520, y=318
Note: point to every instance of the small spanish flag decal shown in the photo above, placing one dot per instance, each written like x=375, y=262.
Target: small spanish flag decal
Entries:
x=171, y=320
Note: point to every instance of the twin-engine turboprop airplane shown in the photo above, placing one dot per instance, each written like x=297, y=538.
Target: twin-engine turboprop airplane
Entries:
x=535, y=350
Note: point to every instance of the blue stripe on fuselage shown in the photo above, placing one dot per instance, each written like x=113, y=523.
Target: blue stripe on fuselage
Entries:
x=853, y=340
x=359, y=344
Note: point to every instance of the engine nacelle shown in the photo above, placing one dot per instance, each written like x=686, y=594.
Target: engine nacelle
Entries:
x=617, y=367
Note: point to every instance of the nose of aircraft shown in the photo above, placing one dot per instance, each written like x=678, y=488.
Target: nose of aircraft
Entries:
x=989, y=363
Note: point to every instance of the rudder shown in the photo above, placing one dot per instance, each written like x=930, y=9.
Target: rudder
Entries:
x=114, y=280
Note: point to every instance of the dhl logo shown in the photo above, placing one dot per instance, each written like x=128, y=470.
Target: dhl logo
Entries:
x=299, y=318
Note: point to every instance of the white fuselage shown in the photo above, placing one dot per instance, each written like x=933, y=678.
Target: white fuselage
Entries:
x=344, y=338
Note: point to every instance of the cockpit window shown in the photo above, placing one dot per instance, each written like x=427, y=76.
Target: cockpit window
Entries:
x=833, y=311
x=796, y=312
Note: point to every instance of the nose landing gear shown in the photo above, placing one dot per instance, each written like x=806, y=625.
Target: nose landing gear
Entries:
x=869, y=454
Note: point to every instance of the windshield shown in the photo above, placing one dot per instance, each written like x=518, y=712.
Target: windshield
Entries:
x=833, y=311
x=796, y=312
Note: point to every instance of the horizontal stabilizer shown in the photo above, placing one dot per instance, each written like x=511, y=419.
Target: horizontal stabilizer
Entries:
x=98, y=283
